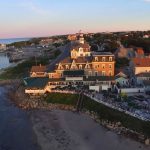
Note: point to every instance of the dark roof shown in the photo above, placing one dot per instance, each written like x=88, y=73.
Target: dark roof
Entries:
x=56, y=79
x=102, y=53
x=144, y=74
x=100, y=78
x=74, y=73
x=146, y=82
x=85, y=46
x=118, y=76
x=68, y=60
x=35, y=82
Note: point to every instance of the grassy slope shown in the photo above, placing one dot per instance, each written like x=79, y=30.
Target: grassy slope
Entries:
x=103, y=112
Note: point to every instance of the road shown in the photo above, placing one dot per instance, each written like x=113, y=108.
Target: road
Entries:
x=16, y=131
x=65, y=52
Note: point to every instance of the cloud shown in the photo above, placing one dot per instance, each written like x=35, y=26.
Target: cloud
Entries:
x=34, y=7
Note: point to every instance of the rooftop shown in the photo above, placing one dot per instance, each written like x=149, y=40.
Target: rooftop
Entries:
x=141, y=62
x=102, y=53
x=100, y=78
x=78, y=45
x=78, y=60
x=35, y=82
x=39, y=68
x=74, y=73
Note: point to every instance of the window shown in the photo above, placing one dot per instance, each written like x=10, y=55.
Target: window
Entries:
x=103, y=59
x=74, y=67
x=87, y=66
x=96, y=58
x=90, y=73
x=67, y=67
x=81, y=49
x=110, y=66
x=110, y=73
x=60, y=67
x=96, y=73
x=110, y=58
x=95, y=66
x=103, y=73
x=80, y=66
x=73, y=54
x=103, y=66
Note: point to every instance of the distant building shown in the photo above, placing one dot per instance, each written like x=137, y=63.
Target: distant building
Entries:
x=38, y=71
x=140, y=52
x=72, y=37
x=46, y=42
x=146, y=36
x=2, y=46
x=121, y=78
x=144, y=79
x=140, y=65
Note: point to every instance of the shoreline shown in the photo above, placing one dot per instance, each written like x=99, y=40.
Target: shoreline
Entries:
x=40, y=105
x=22, y=101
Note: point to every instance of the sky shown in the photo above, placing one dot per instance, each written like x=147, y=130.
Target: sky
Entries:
x=36, y=18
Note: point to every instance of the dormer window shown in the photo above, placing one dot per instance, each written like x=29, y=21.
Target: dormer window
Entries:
x=87, y=66
x=110, y=58
x=96, y=58
x=81, y=49
x=103, y=59
x=60, y=67
x=67, y=67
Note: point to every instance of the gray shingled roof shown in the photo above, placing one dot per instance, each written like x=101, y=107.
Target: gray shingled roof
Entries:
x=35, y=82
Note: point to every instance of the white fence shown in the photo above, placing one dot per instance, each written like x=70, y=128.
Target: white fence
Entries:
x=131, y=90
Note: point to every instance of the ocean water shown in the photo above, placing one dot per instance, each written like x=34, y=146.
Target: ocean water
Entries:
x=9, y=41
x=4, y=61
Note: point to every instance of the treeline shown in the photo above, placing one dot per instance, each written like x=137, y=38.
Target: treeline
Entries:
x=138, y=42
x=25, y=43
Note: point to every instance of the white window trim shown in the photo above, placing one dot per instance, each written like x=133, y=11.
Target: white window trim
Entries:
x=103, y=73
x=103, y=59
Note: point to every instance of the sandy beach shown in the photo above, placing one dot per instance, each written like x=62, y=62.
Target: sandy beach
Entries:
x=64, y=130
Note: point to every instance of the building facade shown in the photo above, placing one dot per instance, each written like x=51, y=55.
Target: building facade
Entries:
x=85, y=63
x=140, y=65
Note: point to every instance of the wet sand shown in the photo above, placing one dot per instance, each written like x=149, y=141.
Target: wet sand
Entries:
x=63, y=130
